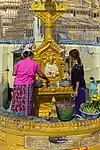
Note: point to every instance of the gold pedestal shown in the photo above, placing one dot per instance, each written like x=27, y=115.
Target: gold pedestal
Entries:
x=44, y=96
x=19, y=134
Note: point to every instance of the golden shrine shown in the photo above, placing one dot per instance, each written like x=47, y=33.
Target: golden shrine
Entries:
x=48, y=56
x=23, y=133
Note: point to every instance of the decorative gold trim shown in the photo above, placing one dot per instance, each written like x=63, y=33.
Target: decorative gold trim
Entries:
x=49, y=128
x=13, y=131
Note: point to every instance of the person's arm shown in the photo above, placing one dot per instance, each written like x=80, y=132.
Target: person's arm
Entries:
x=42, y=75
x=76, y=89
x=77, y=85
x=14, y=73
x=77, y=75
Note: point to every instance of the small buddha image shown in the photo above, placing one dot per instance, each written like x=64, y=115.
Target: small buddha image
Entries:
x=51, y=69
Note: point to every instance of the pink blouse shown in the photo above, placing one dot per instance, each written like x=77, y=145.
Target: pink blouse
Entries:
x=26, y=70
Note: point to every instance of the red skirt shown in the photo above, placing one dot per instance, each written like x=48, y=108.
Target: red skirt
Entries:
x=22, y=101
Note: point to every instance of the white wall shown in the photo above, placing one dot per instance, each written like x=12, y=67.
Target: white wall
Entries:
x=10, y=64
x=3, y=63
x=6, y=62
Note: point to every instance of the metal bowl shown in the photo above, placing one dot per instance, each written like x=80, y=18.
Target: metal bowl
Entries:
x=65, y=83
x=38, y=84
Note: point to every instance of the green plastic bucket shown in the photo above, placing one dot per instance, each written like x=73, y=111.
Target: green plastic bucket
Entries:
x=65, y=114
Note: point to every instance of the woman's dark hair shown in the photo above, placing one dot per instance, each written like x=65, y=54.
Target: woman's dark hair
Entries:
x=27, y=54
x=79, y=60
x=67, y=60
x=75, y=54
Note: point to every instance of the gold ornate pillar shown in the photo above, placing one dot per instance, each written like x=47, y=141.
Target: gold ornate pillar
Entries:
x=48, y=54
x=49, y=12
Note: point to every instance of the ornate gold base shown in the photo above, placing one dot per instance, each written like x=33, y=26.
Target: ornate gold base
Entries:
x=18, y=133
x=7, y=147
x=43, y=99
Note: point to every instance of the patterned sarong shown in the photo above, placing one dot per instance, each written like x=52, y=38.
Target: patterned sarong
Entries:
x=22, y=101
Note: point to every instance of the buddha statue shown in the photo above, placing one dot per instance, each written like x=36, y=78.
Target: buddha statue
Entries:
x=51, y=69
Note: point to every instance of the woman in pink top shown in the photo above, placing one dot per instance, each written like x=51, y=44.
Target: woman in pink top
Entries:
x=25, y=75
